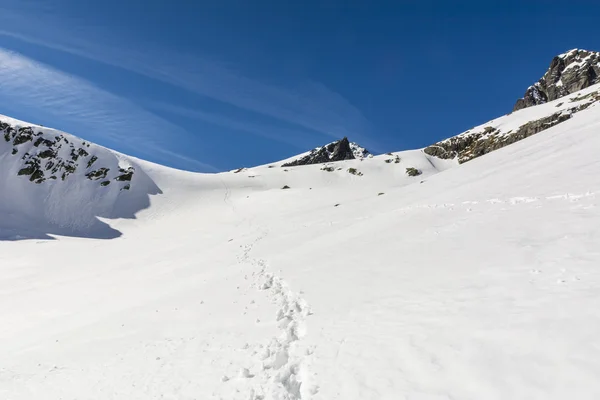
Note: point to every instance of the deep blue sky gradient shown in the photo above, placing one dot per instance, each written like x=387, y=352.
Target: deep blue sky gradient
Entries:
x=407, y=72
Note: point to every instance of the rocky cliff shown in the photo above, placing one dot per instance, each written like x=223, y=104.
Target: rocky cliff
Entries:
x=568, y=73
x=512, y=128
x=568, y=87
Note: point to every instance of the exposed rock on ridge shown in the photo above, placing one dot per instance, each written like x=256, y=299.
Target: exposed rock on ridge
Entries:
x=568, y=73
x=482, y=140
x=335, y=151
x=44, y=157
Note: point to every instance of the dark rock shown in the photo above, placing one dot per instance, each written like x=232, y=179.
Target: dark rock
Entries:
x=91, y=161
x=475, y=144
x=28, y=170
x=46, y=142
x=126, y=174
x=46, y=154
x=70, y=167
x=37, y=176
x=568, y=73
x=98, y=174
x=336, y=151
x=75, y=154
x=23, y=135
x=413, y=171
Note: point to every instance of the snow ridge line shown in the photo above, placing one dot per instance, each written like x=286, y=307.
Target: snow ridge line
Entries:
x=284, y=372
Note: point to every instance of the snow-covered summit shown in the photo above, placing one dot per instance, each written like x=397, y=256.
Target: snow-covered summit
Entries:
x=568, y=73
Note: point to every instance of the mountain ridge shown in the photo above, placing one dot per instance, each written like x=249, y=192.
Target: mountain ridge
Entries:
x=339, y=150
x=51, y=176
x=568, y=72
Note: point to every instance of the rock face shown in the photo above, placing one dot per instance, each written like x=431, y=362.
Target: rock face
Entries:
x=43, y=157
x=568, y=73
x=335, y=151
x=487, y=138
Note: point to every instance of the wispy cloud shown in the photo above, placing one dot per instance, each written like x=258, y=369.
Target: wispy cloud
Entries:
x=294, y=137
x=79, y=104
x=307, y=104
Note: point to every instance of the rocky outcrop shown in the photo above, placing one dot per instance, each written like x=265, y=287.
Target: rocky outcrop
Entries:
x=336, y=151
x=413, y=171
x=43, y=157
x=568, y=73
x=475, y=143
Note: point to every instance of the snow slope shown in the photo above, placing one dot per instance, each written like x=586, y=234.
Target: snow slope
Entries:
x=513, y=127
x=481, y=282
x=53, y=182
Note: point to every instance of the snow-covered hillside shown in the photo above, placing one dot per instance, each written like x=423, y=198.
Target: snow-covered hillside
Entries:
x=53, y=182
x=401, y=276
x=513, y=127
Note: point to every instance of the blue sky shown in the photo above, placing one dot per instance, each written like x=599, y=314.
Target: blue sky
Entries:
x=211, y=86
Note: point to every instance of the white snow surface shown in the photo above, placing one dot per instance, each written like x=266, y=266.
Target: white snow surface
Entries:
x=478, y=281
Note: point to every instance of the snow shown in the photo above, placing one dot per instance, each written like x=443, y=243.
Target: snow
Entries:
x=515, y=120
x=568, y=53
x=28, y=209
x=579, y=61
x=477, y=281
x=359, y=152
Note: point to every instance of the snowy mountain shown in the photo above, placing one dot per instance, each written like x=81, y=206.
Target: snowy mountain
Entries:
x=336, y=151
x=570, y=85
x=51, y=177
x=568, y=73
x=409, y=275
x=516, y=126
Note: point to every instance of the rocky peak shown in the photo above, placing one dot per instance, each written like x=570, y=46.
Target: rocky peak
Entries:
x=336, y=151
x=568, y=73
